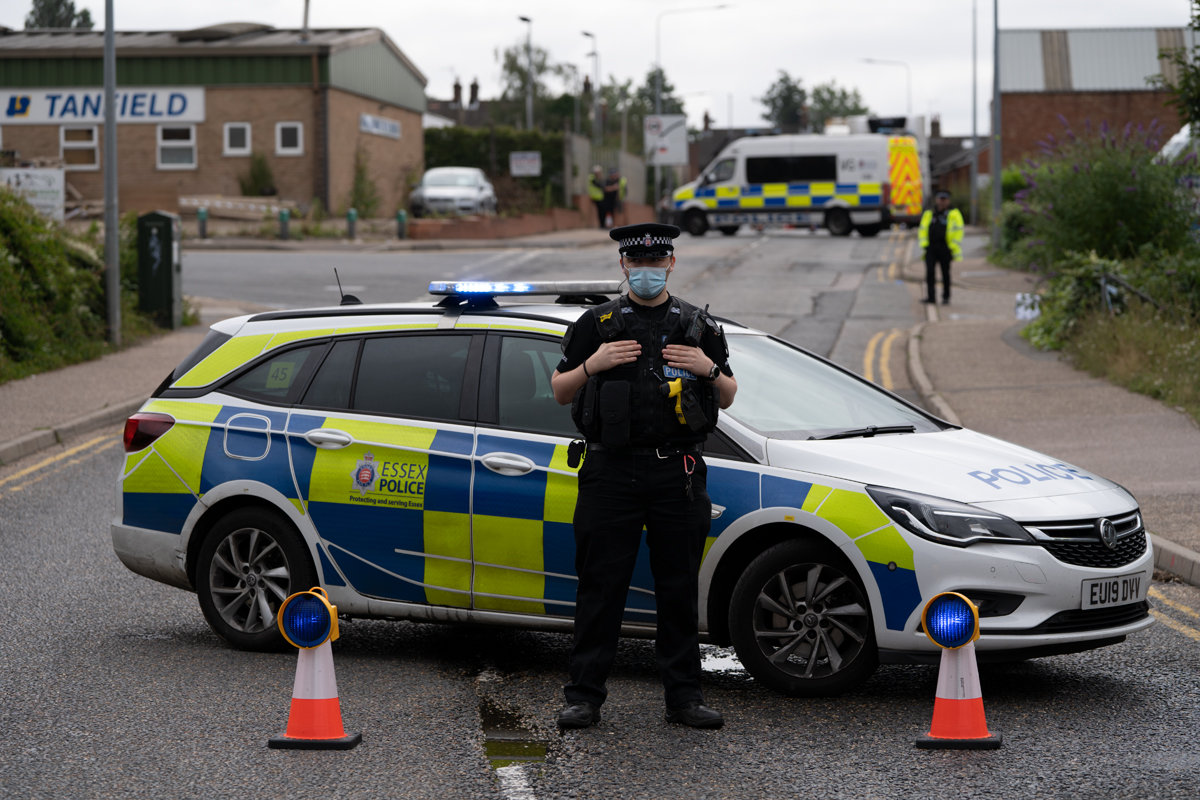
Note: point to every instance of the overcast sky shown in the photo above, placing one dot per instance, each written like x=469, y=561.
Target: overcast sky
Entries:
x=710, y=56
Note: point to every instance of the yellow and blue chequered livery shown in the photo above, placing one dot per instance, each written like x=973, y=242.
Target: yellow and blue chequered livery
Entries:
x=783, y=196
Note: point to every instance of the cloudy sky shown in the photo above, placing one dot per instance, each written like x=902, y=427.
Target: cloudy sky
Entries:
x=712, y=56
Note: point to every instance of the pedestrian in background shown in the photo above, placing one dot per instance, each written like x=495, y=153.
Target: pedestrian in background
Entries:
x=596, y=192
x=941, y=236
x=612, y=196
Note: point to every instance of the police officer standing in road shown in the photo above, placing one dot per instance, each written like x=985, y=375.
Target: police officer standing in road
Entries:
x=941, y=235
x=645, y=375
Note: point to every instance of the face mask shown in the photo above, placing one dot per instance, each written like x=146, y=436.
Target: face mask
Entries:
x=647, y=282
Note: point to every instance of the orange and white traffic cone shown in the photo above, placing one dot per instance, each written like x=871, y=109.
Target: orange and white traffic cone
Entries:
x=315, y=720
x=958, y=720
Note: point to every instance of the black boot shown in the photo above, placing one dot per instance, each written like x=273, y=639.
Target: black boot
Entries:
x=578, y=715
x=696, y=715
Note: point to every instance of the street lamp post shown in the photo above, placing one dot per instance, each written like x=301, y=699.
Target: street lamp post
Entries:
x=112, y=219
x=658, y=76
x=994, y=155
x=529, y=74
x=595, y=91
x=974, y=117
x=908, y=78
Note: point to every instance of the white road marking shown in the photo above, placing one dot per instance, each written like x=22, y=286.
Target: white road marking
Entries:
x=514, y=784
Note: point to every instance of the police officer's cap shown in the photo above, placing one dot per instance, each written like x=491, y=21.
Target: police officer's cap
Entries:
x=942, y=196
x=648, y=240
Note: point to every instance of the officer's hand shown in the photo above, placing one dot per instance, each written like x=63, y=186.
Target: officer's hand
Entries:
x=612, y=354
x=692, y=359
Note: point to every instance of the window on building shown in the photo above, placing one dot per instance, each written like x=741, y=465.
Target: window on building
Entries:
x=289, y=138
x=237, y=139
x=80, y=147
x=176, y=146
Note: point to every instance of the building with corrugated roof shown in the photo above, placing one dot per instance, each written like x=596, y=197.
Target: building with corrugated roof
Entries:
x=1096, y=75
x=195, y=105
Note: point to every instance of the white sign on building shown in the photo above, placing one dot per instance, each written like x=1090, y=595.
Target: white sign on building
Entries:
x=379, y=126
x=666, y=140
x=525, y=163
x=55, y=106
x=43, y=188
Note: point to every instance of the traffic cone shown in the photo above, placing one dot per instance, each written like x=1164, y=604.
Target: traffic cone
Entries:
x=315, y=721
x=958, y=720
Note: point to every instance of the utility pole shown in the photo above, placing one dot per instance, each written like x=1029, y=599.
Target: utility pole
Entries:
x=112, y=218
x=596, y=140
x=974, y=116
x=529, y=74
x=994, y=156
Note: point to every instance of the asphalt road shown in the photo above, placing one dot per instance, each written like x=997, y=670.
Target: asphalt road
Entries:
x=113, y=686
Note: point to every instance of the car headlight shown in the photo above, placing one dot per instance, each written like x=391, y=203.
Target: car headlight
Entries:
x=946, y=521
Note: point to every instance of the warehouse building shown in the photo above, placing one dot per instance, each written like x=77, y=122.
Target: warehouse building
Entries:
x=1096, y=75
x=196, y=108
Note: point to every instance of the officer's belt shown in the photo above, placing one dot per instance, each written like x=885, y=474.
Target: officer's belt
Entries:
x=661, y=452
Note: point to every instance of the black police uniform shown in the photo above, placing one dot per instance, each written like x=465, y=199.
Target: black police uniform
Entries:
x=635, y=474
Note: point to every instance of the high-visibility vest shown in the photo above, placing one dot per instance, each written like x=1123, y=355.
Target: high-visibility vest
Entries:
x=621, y=191
x=954, y=232
x=595, y=190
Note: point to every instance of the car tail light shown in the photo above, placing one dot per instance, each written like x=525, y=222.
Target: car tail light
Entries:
x=142, y=429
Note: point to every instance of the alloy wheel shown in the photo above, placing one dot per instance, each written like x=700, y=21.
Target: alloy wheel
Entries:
x=249, y=579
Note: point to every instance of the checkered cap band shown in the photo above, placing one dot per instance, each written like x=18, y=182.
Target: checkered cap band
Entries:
x=647, y=241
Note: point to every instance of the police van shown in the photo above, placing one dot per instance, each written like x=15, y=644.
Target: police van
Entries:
x=411, y=460
x=856, y=182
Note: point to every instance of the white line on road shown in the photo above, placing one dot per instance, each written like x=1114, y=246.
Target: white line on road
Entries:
x=514, y=785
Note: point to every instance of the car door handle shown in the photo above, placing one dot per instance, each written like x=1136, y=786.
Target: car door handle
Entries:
x=328, y=438
x=508, y=464
x=717, y=510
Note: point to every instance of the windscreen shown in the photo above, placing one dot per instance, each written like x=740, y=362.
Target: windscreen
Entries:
x=450, y=179
x=784, y=393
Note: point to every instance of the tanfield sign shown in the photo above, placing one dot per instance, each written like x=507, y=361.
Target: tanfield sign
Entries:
x=86, y=106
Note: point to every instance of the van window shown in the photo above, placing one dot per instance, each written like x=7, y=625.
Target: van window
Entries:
x=791, y=169
x=722, y=172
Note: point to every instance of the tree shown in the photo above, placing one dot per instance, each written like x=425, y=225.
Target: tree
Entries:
x=644, y=98
x=784, y=101
x=1186, y=87
x=58, y=14
x=830, y=101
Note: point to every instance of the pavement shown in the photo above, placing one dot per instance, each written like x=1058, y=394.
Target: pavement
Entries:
x=572, y=238
x=995, y=382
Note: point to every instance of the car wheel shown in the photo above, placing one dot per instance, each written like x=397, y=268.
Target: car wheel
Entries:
x=838, y=222
x=250, y=562
x=729, y=230
x=867, y=231
x=695, y=222
x=800, y=621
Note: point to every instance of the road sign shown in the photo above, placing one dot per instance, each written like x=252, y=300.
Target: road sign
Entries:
x=666, y=139
x=525, y=163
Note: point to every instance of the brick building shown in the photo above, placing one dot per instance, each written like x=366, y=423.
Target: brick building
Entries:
x=195, y=105
x=1096, y=74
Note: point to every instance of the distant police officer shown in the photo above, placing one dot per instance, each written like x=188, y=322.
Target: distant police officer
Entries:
x=645, y=375
x=941, y=235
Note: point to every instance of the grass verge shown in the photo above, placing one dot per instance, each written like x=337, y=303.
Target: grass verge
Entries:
x=1142, y=349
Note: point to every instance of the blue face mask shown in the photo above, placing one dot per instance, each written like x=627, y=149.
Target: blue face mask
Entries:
x=647, y=282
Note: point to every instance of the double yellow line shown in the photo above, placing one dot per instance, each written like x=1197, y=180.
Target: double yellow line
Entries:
x=885, y=358
x=54, y=464
x=1171, y=622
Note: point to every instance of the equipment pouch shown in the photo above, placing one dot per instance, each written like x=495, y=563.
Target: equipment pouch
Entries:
x=584, y=412
x=614, y=413
x=575, y=451
x=709, y=402
x=693, y=414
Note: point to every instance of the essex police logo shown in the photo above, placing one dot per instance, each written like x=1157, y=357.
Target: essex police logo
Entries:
x=648, y=241
x=365, y=474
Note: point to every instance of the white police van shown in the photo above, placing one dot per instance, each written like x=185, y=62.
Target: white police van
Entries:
x=411, y=460
x=850, y=182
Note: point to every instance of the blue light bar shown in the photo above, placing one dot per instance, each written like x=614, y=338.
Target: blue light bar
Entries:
x=495, y=288
x=950, y=621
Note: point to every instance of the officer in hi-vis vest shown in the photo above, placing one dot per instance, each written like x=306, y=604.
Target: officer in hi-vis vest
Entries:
x=645, y=375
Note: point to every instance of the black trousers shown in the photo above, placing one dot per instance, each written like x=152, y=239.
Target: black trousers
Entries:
x=601, y=210
x=934, y=255
x=618, y=494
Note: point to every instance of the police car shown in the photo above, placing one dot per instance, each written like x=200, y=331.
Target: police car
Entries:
x=411, y=460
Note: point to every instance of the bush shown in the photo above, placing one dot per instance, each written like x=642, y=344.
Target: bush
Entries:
x=1104, y=193
x=259, y=181
x=364, y=196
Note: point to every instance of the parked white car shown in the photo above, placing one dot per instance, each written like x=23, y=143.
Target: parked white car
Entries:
x=453, y=191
